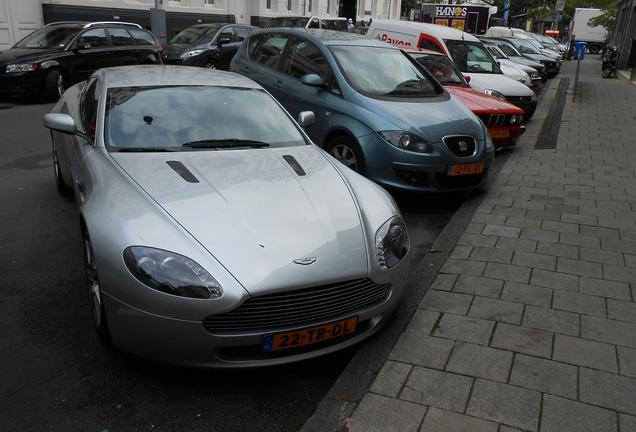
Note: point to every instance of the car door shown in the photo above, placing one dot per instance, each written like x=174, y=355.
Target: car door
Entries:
x=264, y=53
x=91, y=51
x=78, y=147
x=124, y=51
x=147, y=47
x=301, y=58
x=227, y=46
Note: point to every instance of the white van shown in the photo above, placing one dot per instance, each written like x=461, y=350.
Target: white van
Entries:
x=468, y=53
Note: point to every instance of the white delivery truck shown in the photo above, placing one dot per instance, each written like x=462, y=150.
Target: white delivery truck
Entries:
x=582, y=32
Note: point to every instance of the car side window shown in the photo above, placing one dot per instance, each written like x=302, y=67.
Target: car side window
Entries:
x=88, y=107
x=95, y=37
x=141, y=37
x=241, y=33
x=226, y=33
x=429, y=45
x=306, y=58
x=267, y=49
x=120, y=37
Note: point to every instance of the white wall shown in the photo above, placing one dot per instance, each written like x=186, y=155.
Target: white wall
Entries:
x=18, y=18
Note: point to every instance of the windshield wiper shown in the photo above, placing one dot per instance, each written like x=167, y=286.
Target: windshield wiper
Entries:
x=144, y=149
x=407, y=87
x=225, y=143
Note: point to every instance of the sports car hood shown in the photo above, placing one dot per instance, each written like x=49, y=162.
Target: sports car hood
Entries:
x=256, y=215
x=481, y=103
x=432, y=119
x=503, y=84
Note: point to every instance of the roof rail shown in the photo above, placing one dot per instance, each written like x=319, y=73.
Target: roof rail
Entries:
x=64, y=23
x=112, y=23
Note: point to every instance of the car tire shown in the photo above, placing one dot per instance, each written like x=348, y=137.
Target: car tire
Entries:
x=347, y=152
x=210, y=64
x=96, y=301
x=54, y=85
x=61, y=186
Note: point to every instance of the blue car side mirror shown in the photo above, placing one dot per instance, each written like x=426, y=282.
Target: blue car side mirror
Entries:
x=313, y=80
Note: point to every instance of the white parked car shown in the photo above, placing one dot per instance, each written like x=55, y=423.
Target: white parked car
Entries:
x=467, y=52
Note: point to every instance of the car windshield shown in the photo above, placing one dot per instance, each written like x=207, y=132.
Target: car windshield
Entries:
x=332, y=24
x=288, y=22
x=48, y=38
x=496, y=52
x=471, y=57
x=509, y=50
x=526, y=47
x=193, y=35
x=441, y=67
x=177, y=118
x=378, y=71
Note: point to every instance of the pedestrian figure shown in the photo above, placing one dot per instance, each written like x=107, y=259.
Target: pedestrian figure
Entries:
x=350, y=26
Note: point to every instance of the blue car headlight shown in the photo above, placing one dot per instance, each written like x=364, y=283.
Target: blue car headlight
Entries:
x=391, y=243
x=171, y=273
x=406, y=141
x=191, y=53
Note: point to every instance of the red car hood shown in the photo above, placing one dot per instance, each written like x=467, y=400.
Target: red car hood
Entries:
x=481, y=103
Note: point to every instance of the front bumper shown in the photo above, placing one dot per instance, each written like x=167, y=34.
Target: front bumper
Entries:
x=189, y=343
x=23, y=83
x=513, y=133
x=402, y=170
x=527, y=103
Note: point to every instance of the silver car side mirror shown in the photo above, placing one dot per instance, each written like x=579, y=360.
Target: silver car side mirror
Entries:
x=312, y=80
x=306, y=118
x=63, y=123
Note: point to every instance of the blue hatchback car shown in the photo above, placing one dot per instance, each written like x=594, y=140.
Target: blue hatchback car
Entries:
x=376, y=110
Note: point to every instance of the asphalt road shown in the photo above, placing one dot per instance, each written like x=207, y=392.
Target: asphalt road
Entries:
x=56, y=376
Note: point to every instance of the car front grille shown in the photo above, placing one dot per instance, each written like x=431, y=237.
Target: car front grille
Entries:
x=300, y=307
x=491, y=120
x=519, y=99
x=460, y=145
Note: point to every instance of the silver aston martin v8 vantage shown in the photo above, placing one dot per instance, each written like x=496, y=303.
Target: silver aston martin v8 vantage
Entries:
x=215, y=233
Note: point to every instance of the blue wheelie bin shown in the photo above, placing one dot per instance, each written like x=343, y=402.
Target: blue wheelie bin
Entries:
x=579, y=50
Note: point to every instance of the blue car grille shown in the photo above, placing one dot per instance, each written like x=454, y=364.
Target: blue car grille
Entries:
x=300, y=307
x=460, y=145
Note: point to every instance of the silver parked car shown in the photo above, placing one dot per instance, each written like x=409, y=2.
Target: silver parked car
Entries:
x=215, y=233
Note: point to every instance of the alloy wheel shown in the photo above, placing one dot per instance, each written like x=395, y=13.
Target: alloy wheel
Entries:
x=60, y=85
x=345, y=155
x=209, y=65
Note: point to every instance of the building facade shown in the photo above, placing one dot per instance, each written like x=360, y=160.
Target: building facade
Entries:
x=624, y=36
x=20, y=17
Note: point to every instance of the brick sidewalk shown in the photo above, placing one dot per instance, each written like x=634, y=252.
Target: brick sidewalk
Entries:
x=531, y=323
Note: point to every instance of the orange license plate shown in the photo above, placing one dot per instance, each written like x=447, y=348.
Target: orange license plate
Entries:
x=466, y=169
x=309, y=336
x=505, y=133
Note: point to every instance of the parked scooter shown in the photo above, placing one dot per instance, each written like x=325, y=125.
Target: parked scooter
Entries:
x=610, y=58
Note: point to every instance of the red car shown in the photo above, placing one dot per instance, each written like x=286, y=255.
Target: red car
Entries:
x=503, y=119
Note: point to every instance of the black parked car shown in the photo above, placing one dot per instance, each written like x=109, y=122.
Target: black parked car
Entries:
x=61, y=54
x=207, y=45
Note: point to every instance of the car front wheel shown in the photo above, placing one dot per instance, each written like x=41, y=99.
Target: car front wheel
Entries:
x=60, y=184
x=54, y=85
x=347, y=152
x=94, y=290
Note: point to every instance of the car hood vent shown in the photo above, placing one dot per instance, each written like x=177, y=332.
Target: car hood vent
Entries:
x=294, y=164
x=184, y=172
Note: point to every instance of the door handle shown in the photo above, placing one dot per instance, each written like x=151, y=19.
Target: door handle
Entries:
x=278, y=84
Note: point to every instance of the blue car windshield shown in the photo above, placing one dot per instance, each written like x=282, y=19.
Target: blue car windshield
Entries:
x=384, y=72
x=176, y=118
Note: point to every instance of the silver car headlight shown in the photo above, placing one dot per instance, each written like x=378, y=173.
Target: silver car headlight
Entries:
x=191, y=53
x=391, y=243
x=21, y=67
x=171, y=273
x=406, y=141
x=494, y=93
